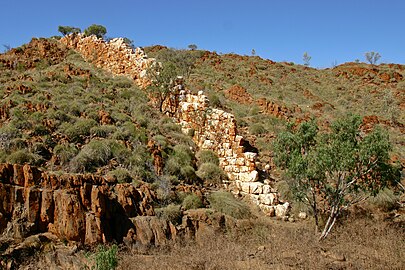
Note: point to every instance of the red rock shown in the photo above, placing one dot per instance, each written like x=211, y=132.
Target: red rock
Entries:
x=18, y=175
x=69, y=218
x=32, y=204
x=32, y=175
x=47, y=210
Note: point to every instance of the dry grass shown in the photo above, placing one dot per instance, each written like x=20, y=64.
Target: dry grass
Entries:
x=361, y=243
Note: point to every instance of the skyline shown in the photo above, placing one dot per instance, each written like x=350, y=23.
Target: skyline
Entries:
x=330, y=32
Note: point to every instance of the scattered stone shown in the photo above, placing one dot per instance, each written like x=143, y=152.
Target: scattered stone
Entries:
x=302, y=215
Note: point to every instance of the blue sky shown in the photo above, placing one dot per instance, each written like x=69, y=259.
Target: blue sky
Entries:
x=279, y=30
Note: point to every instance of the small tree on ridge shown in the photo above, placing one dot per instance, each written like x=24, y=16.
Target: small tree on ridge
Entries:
x=372, y=57
x=66, y=30
x=97, y=30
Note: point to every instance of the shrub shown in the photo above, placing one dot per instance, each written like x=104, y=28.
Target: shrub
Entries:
x=206, y=156
x=66, y=30
x=106, y=258
x=24, y=157
x=65, y=152
x=94, y=154
x=77, y=131
x=257, y=129
x=179, y=163
x=102, y=131
x=211, y=173
x=121, y=174
x=215, y=102
x=192, y=201
x=95, y=29
x=385, y=200
x=170, y=213
x=226, y=203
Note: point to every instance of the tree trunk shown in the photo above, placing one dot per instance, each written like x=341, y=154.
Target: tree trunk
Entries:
x=329, y=224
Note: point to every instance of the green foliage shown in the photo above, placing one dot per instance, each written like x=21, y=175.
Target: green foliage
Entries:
x=215, y=101
x=338, y=167
x=206, y=156
x=106, y=258
x=129, y=42
x=306, y=58
x=192, y=201
x=78, y=130
x=171, y=213
x=226, y=203
x=95, y=29
x=65, y=152
x=24, y=157
x=122, y=175
x=372, y=57
x=173, y=63
x=257, y=129
x=180, y=163
x=66, y=30
x=98, y=153
x=211, y=173
x=192, y=47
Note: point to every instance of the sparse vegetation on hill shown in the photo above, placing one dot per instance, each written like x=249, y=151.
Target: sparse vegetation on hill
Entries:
x=61, y=113
x=64, y=115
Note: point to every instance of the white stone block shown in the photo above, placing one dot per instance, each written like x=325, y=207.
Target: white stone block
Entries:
x=256, y=187
x=254, y=175
x=267, y=199
x=229, y=152
x=250, y=156
x=266, y=189
x=207, y=144
x=282, y=210
x=245, y=187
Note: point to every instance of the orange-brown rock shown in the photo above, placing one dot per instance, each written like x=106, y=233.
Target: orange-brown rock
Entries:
x=35, y=53
x=156, y=152
x=115, y=56
x=105, y=118
x=239, y=94
x=84, y=208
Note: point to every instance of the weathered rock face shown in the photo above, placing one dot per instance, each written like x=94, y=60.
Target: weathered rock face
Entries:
x=83, y=208
x=116, y=56
x=150, y=230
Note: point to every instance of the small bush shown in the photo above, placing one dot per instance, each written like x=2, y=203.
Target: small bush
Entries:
x=257, y=129
x=179, y=163
x=215, y=102
x=77, y=131
x=188, y=174
x=106, y=258
x=211, y=173
x=386, y=200
x=170, y=213
x=24, y=157
x=226, y=203
x=65, y=152
x=121, y=174
x=206, y=156
x=94, y=154
x=102, y=131
x=192, y=201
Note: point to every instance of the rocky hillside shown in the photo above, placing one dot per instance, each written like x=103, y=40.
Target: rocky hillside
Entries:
x=88, y=157
x=264, y=95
